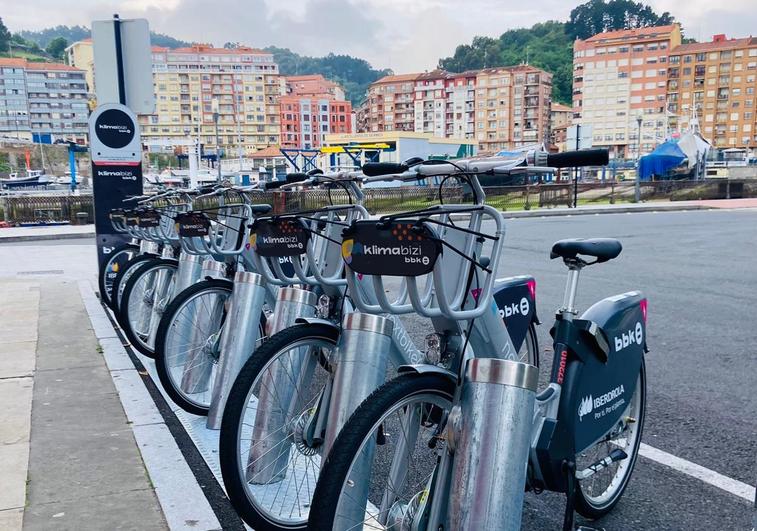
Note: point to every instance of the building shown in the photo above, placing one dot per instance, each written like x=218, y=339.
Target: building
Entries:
x=716, y=82
x=311, y=85
x=391, y=104
x=512, y=107
x=242, y=86
x=560, y=118
x=81, y=55
x=43, y=102
x=501, y=108
x=618, y=77
x=312, y=108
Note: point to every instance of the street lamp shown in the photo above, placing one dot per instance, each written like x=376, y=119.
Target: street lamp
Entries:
x=637, y=188
x=215, y=108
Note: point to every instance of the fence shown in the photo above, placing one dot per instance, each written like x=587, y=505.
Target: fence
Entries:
x=36, y=209
x=46, y=209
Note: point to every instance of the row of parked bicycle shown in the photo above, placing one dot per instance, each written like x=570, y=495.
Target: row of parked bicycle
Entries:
x=297, y=336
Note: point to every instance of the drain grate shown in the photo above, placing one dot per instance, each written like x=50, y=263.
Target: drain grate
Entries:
x=42, y=272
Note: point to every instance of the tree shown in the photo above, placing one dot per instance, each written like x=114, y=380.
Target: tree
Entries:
x=5, y=37
x=57, y=47
x=597, y=16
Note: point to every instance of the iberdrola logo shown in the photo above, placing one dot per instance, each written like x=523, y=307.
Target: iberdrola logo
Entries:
x=254, y=241
x=347, y=246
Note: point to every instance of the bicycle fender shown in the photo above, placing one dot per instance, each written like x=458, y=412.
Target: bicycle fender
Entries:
x=316, y=320
x=425, y=368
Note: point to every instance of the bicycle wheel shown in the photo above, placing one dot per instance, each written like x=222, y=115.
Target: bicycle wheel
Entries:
x=187, y=340
x=597, y=494
x=117, y=260
x=378, y=472
x=269, y=445
x=119, y=283
x=143, y=300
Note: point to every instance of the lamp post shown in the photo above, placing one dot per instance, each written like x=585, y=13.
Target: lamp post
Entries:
x=637, y=188
x=215, y=107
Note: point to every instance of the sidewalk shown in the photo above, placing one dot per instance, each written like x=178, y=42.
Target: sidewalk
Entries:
x=46, y=232
x=68, y=454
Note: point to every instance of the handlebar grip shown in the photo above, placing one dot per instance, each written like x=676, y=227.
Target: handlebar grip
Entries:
x=374, y=169
x=583, y=157
x=296, y=177
x=271, y=185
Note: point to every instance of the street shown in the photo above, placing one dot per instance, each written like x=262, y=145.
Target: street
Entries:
x=698, y=272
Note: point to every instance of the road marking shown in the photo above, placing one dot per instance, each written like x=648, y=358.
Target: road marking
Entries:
x=732, y=486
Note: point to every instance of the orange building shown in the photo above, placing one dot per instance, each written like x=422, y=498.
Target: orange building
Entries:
x=619, y=76
x=312, y=108
x=716, y=82
x=391, y=104
x=560, y=118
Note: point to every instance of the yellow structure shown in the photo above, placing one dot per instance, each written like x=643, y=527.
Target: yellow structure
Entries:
x=80, y=55
x=398, y=146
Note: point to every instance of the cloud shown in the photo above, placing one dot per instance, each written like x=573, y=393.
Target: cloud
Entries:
x=405, y=35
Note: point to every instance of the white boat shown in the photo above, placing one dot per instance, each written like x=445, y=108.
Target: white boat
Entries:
x=32, y=178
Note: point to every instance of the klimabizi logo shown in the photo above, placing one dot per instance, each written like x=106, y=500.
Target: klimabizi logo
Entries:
x=589, y=404
x=411, y=253
x=123, y=174
x=522, y=308
x=632, y=337
x=289, y=241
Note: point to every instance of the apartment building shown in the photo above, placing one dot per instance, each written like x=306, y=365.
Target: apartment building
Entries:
x=560, y=118
x=243, y=84
x=391, y=104
x=81, y=55
x=619, y=76
x=715, y=82
x=42, y=101
x=312, y=108
x=501, y=108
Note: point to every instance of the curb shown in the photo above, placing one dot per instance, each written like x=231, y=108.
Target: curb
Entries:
x=585, y=211
x=43, y=237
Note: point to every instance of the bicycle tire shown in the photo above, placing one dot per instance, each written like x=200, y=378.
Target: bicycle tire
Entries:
x=235, y=406
x=359, y=426
x=166, y=323
x=123, y=313
x=583, y=503
x=134, y=262
x=105, y=294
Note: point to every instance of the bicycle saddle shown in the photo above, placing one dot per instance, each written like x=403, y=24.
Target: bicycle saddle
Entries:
x=260, y=209
x=603, y=249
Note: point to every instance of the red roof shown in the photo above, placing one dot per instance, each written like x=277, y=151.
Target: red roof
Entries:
x=397, y=78
x=730, y=44
x=31, y=65
x=632, y=33
x=268, y=152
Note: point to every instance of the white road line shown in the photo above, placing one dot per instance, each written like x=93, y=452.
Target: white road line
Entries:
x=732, y=486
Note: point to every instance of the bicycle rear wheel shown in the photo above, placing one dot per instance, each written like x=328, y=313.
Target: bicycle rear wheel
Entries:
x=597, y=494
x=377, y=474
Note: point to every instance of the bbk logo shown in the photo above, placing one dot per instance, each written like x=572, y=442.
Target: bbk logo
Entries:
x=522, y=308
x=631, y=337
x=585, y=407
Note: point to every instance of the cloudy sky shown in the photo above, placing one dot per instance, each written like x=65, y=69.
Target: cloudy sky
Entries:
x=405, y=35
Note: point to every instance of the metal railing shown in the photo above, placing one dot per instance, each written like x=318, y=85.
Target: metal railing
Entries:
x=47, y=208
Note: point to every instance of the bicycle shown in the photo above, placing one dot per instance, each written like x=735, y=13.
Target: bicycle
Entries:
x=456, y=446
x=300, y=386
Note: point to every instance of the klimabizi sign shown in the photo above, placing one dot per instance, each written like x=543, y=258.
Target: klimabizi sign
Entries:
x=116, y=153
x=192, y=225
x=282, y=237
x=393, y=248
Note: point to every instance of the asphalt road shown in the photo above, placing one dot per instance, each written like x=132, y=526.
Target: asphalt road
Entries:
x=699, y=272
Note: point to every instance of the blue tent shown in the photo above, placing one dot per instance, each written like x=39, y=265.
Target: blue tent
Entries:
x=667, y=156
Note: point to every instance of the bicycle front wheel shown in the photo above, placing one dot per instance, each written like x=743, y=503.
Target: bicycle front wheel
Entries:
x=143, y=300
x=186, y=344
x=115, y=263
x=271, y=435
x=378, y=472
